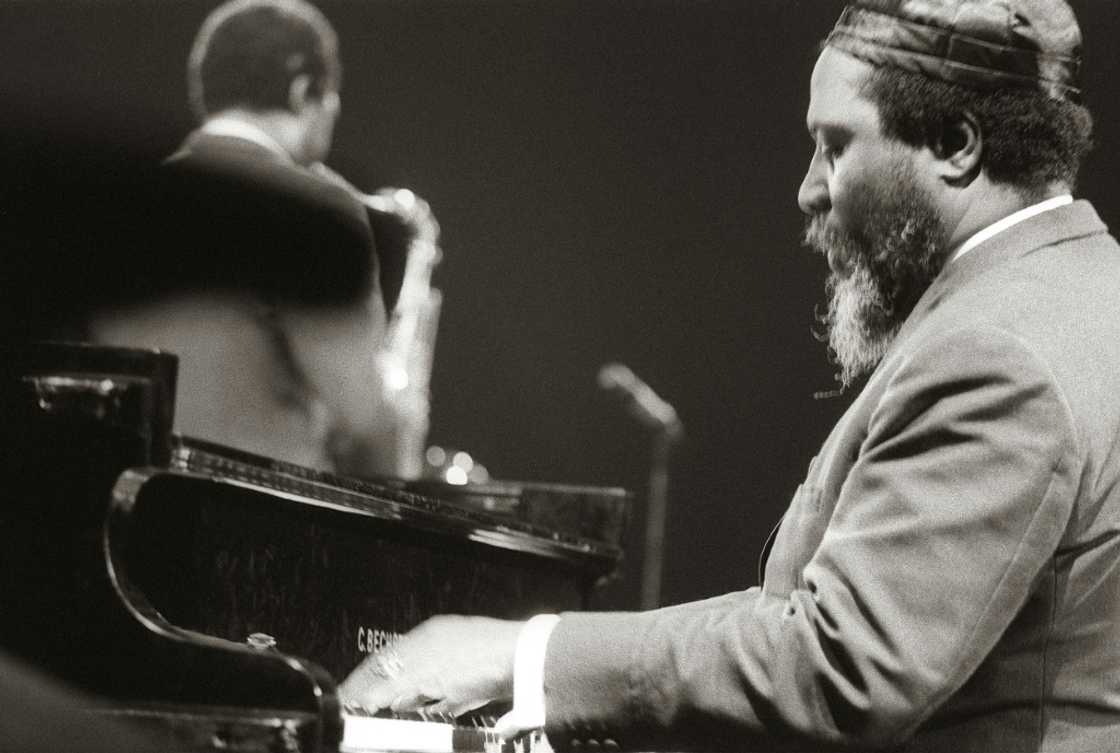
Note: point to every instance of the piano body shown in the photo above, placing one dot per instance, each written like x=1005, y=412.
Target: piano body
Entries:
x=215, y=598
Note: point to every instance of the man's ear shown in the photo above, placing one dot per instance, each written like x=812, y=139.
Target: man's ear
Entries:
x=299, y=93
x=958, y=151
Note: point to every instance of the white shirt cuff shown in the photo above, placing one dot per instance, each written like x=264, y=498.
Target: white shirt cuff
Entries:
x=528, y=677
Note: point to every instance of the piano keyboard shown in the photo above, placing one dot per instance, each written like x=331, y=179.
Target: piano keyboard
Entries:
x=370, y=734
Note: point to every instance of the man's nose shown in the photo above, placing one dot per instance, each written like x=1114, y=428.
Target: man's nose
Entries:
x=812, y=197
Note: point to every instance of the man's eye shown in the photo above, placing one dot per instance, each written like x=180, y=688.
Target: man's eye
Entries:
x=831, y=151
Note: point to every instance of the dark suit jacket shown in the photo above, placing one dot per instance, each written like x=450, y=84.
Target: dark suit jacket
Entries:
x=295, y=211
x=261, y=276
x=245, y=218
x=947, y=577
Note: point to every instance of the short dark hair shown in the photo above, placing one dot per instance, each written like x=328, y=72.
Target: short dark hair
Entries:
x=1030, y=138
x=247, y=53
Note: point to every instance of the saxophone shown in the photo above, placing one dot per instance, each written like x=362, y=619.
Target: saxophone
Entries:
x=405, y=364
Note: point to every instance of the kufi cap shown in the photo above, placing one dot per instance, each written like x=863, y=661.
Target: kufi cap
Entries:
x=986, y=44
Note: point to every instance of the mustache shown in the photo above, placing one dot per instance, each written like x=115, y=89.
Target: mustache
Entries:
x=815, y=233
x=819, y=236
x=842, y=249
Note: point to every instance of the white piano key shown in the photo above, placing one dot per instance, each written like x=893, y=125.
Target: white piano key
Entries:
x=362, y=734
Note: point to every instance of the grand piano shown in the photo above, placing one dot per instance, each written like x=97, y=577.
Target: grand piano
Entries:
x=213, y=598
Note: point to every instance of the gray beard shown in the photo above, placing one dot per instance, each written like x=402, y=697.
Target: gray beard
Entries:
x=892, y=259
x=860, y=325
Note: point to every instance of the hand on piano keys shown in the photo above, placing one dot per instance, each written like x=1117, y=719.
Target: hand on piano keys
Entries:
x=447, y=665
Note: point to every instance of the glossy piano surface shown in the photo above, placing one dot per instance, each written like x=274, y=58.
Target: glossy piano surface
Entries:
x=214, y=597
x=231, y=545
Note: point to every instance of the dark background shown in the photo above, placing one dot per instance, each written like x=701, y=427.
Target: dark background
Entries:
x=614, y=181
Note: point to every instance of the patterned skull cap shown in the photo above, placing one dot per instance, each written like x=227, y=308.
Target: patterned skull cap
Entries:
x=985, y=44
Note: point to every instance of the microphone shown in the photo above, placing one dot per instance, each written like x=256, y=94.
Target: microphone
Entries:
x=642, y=402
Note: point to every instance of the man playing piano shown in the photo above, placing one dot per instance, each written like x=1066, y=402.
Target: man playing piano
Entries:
x=265, y=281
x=947, y=577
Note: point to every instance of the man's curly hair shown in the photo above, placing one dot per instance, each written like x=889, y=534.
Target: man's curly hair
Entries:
x=1030, y=138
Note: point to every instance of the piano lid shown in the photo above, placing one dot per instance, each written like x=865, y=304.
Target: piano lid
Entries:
x=577, y=523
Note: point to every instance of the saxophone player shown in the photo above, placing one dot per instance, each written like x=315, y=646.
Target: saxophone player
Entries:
x=266, y=282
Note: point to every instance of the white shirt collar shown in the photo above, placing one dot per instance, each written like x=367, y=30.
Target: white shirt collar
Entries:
x=224, y=125
x=1012, y=219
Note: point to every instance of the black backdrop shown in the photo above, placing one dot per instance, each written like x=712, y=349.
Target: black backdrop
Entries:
x=614, y=180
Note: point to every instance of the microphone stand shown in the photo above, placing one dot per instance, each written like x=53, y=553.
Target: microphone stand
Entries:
x=657, y=505
x=654, y=413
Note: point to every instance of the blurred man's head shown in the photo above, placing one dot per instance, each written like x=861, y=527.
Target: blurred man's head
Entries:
x=269, y=57
x=931, y=119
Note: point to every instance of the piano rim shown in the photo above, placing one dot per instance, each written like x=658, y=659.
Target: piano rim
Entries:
x=434, y=516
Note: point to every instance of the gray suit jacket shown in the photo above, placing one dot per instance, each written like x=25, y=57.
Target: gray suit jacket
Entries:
x=947, y=577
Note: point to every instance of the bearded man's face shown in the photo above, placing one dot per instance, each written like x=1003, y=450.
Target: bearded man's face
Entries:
x=881, y=265
x=870, y=215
